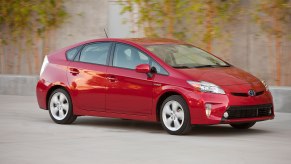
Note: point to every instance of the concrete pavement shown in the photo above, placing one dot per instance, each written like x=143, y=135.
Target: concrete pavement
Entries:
x=28, y=136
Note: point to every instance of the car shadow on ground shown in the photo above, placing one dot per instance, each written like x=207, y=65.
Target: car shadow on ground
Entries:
x=121, y=125
x=225, y=130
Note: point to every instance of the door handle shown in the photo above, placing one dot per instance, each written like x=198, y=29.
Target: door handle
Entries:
x=112, y=79
x=74, y=71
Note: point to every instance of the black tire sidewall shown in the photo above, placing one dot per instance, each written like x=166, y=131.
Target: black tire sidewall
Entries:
x=70, y=116
x=185, y=128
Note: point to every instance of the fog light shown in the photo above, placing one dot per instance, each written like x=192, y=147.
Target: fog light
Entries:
x=208, y=109
x=225, y=115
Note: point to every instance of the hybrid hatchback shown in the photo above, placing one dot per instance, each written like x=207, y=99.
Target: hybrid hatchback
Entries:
x=159, y=80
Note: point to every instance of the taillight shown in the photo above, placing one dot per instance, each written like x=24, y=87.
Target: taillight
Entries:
x=44, y=64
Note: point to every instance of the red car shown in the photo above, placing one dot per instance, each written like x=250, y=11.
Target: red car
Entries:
x=162, y=80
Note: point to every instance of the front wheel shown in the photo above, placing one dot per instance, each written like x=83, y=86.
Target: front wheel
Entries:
x=243, y=125
x=60, y=107
x=175, y=116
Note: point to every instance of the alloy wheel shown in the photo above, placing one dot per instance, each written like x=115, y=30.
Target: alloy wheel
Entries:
x=59, y=106
x=173, y=115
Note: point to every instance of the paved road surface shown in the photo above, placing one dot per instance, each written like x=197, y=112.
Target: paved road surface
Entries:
x=28, y=136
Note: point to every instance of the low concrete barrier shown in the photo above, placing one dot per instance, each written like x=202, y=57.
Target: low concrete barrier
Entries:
x=18, y=85
x=282, y=98
x=25, y=86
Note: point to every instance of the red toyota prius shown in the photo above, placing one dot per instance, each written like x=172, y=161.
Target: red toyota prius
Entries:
x=162, y=80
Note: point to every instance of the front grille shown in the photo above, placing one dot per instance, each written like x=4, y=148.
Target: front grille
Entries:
x=259, y=93
x=249, y=111
x=240, y=94
x=246, y=94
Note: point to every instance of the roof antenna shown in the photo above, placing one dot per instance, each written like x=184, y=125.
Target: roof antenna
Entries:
x=105, y=33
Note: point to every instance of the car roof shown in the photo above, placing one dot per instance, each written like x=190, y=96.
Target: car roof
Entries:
x=140, y=41
x=153, y=41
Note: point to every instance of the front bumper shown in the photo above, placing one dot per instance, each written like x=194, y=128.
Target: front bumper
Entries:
x=249, y=112
x=240, y=109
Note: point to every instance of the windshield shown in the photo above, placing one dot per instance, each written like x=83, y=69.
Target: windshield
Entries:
x=185, y=56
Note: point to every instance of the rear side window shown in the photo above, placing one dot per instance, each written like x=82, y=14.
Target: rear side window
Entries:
x=96, y=53
x=70, y=54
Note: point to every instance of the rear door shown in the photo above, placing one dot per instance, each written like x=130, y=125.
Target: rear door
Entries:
x=87, y=76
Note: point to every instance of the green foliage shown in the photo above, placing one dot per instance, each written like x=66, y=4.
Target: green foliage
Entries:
x=178, y=19
x=18, y=17
x=156, y=16
x=273, y=16
x=212, y=16
x=25, y=31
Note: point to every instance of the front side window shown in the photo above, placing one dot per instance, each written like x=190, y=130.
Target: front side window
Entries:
x=159, y=69
x=95, y=53
x=126, y=56
x=185, y=56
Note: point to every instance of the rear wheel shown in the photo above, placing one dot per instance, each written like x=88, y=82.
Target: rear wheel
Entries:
x=175, y=116
x=60, y=107
x=243, y=125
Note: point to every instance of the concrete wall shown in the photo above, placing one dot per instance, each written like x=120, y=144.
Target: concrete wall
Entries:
x=88, y=18
x=25, y=85
x=87, y=21
x=252, y=50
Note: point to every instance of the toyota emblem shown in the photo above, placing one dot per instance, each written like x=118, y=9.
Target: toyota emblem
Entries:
x=252, y=92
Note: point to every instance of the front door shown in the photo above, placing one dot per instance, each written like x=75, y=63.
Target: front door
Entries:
x=129, y=92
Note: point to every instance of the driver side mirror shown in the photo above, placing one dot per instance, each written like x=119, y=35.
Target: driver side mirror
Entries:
x=143, y=68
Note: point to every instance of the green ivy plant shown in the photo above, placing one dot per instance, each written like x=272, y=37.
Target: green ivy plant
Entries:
x=24, y=23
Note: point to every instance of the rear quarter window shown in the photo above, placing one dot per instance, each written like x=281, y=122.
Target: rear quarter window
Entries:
x=71, y=53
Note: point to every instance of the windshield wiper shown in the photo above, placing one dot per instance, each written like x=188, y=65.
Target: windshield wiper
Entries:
x=182, y=66
x=204, y=66
x=212, y=66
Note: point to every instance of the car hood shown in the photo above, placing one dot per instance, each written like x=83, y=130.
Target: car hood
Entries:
x=220, y=75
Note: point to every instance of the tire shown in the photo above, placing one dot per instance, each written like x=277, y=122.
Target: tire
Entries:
x=60, y=107
x=175, y=115
x=243, y=125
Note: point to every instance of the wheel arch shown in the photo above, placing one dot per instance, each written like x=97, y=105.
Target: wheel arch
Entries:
x=50, y=91
x=161, y=99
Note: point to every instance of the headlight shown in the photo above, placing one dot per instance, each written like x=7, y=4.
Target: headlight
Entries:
x=266, y=85
x=204, y=86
